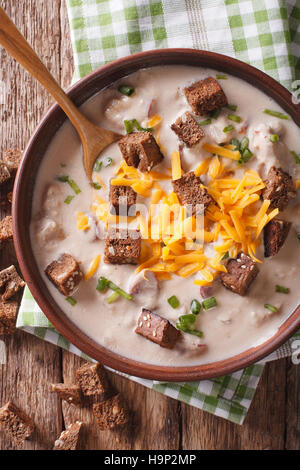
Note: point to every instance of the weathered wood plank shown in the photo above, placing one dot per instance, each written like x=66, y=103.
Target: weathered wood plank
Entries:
x=292, y=437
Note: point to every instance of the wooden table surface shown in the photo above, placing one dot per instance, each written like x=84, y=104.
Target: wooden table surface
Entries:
x=158, y=422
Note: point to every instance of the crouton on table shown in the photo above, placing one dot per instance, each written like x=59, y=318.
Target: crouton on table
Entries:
x=122, y=247
x=140, y=150
x=4, y=173
x=188, y=130
x=190, y=191
x=121, y=197
x=70, y=438
x=92, y=379
x=275, y=234
x=16, y=423
x=241, y=272
x=11, y=281
x=69, y=393
x=64, y=273
x=111, y=413
x=157, y=329
x=205, y=96
x=6, y=230
x=279, y=188
x=12, y=159
x=8, y=317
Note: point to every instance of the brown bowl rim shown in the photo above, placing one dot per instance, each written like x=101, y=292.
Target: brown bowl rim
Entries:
x=60, y=321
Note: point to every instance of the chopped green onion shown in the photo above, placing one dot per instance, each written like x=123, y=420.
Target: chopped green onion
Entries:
x=272, y=308
x=221, y=77
x=97, y=185
x=62, y=179
x=228, y=128
x=296, y=156
x=281, y=289
x=139, y=127
x=195, y=307
x=234, y=117
x=232, y=107
x=274, y=138
x=209, y=303
x=276, y=114
x=236, y=143
x=68, y=199
x=205, y=122
x=128, y=126
x=173, y=301
x=246, y=155
x=71, y=301
x=187, y=330
x=112, y=298
x=98, y=165
x=187, y=321
x=102, y=284
x=108, y=161
x=215, y=114
x=74, y=186
x=244, y=144
x=226, y=255
x=126, y=90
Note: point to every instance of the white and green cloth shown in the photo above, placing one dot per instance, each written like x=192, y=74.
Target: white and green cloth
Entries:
x=264, y=33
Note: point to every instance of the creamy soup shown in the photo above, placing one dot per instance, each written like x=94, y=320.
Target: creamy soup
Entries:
x=66, y=222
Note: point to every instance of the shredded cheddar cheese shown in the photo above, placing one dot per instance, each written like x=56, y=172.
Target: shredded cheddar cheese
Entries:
x=92, y=268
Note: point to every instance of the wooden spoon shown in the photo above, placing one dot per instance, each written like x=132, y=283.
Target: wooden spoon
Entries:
x=93, y=138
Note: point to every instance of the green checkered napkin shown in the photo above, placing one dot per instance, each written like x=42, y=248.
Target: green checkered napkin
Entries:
x=265, y=33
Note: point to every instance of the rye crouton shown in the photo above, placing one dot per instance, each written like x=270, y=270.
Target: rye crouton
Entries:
x=6, y=230
x=92, y=379
x=8, y=317
x=4, y=173
x=241, y=272
x=11, y=281
x=70, y=438
x=205, y=96
x=122, y=247
x=12, y=159
x=16, y=423
x=279, y=188
x=188, y=130
x=69, y=393
x=190, y=192
x=111, y=413
x=121, y=199
x=157, y=329
x=275, y=234
x=64, y=273
x=140, y=150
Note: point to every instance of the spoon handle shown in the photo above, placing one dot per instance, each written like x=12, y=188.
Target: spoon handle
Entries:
x=17, y=46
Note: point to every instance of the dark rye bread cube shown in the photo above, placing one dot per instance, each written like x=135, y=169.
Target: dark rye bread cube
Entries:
x=121, y=199
x=6, y=230
x=111, y=413
x=70, y=438
x=279, y=188
x=64, y=273
x=11, y=281
x=188, y=130
x=92, y=379
x=140, y=150
x=157, y=329
x=122, y=247
x=4, y=173
x=12, y=159
x=8, y=317
x=205, y=96
x=241, y=272
x=16, y=423
x=190, y=192
x=275, y=234
x=69, y=393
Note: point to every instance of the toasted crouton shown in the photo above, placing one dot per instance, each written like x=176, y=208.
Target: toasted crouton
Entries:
x=279, y=188
x=12, y=159
x=11, y=281
x=205, y=96
x=122, y=247
x=64, y=273
x=8, y=317
x=92, y=379
x=275, y=234
x=16, y=423
x=157, y=329
x=140, y=150
x=188, y=130
x=70, y=438
x=111, y=413
x=241, y=272
x=190, y=192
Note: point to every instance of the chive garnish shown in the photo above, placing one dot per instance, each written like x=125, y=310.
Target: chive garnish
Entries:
x=187, y=330
x=104, y=283
x=128, y=126
x=272, y=308
x=66, y=179
x=195, y=307
x=246, y=155
x=97, y=185
x=68, y=199
x=139, y=127
x=173, y=301
x=276, y=114
x=71, y=301
x=107, y=161
x=232, y=107
x=205, y=122
x=296, y=157
x=228, y=128
x=244, y=144
x=274, y=138
x=221, y=77
x=215, y=114
x=126, y=90
x=98, y=165
x=62, y=178
x=236, y=143
x=186, y=324
x=112, y=298
x=209, y=303
x=234, y=117
x=226, y=255
x=282, y=289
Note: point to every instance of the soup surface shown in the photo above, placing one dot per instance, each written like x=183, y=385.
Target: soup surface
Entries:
x=65, y=220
